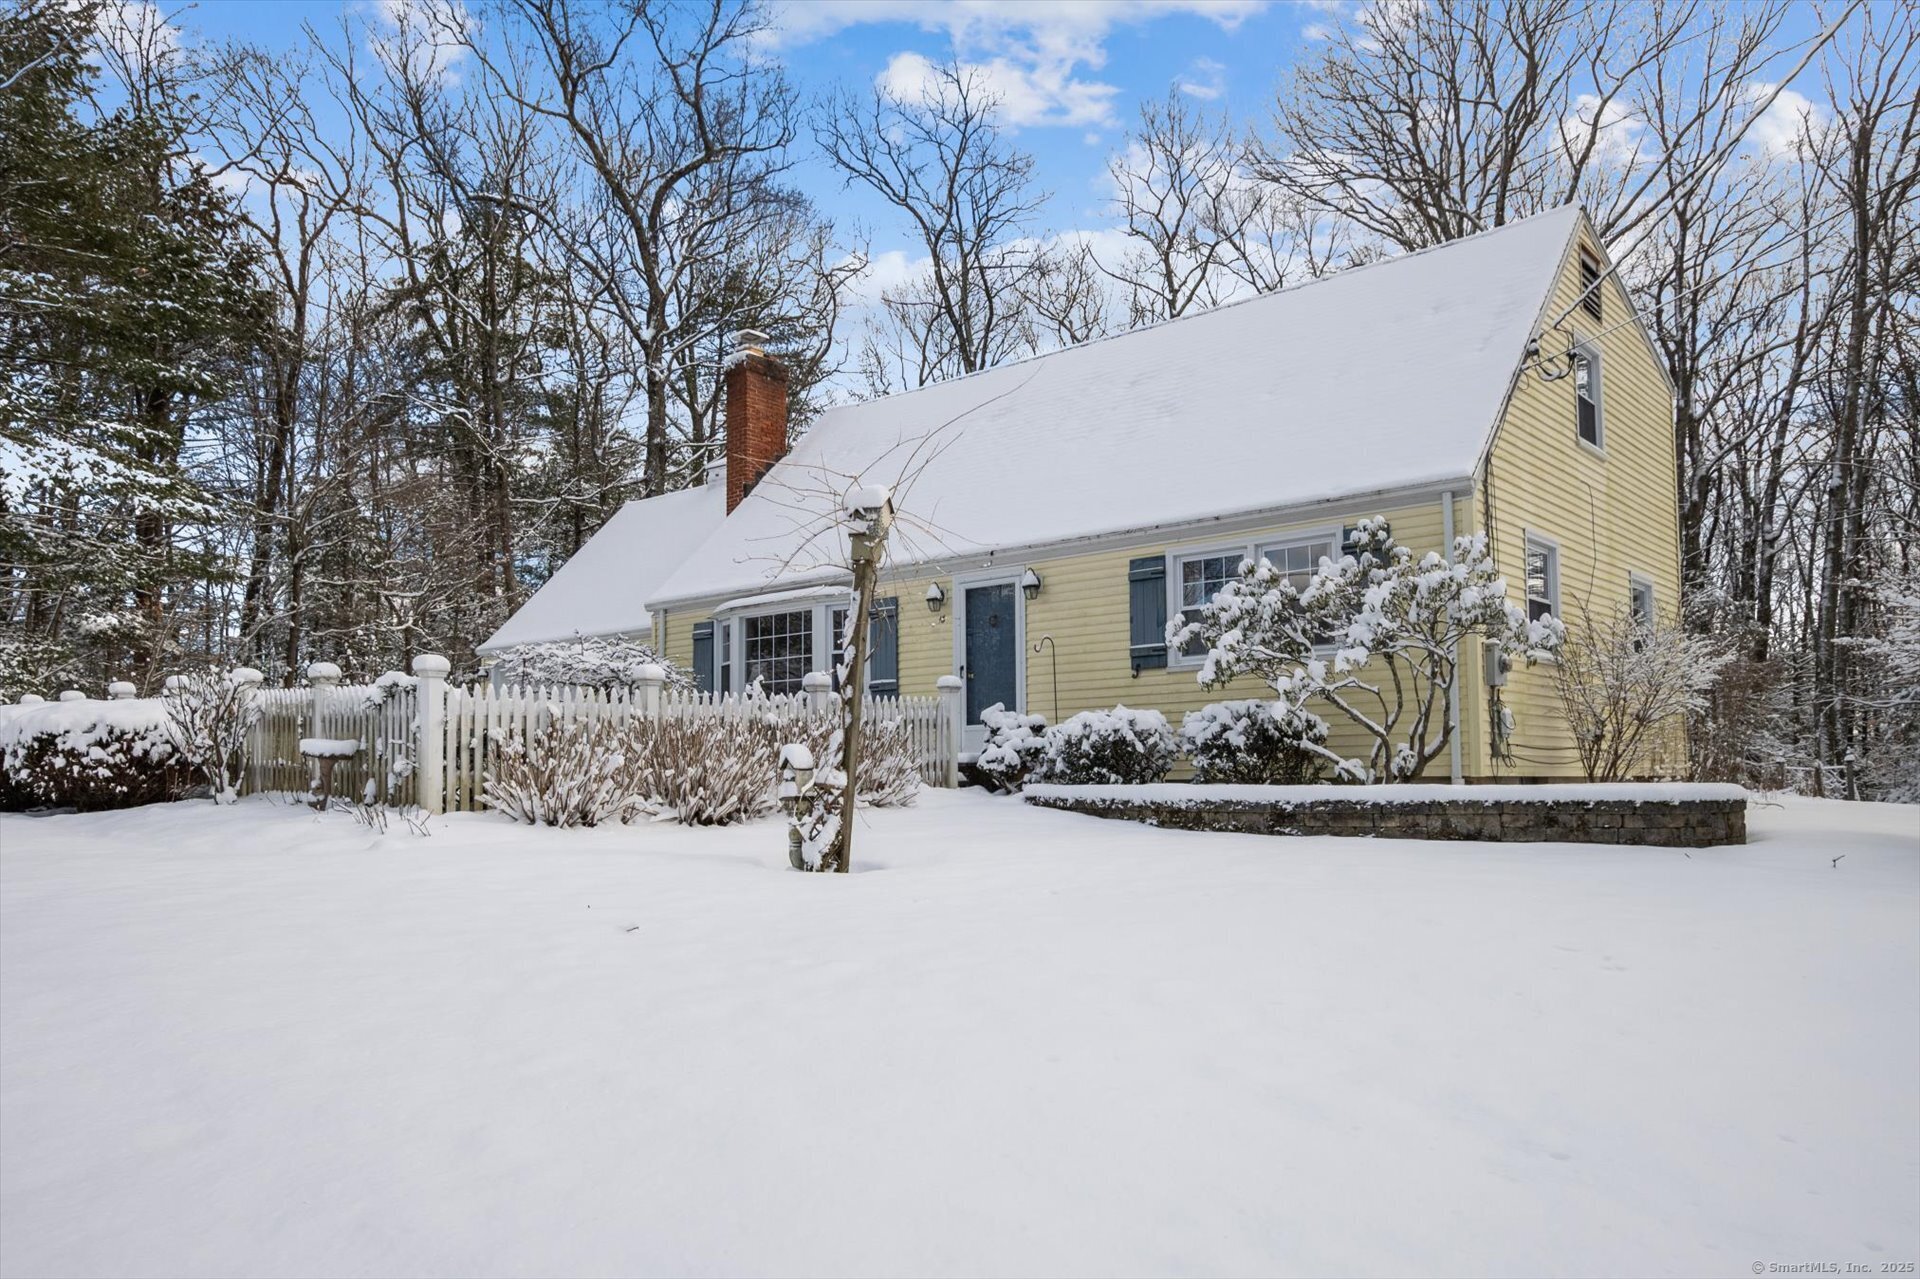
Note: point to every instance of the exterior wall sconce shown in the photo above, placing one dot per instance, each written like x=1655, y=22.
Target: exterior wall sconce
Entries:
x=1030, y=583
x=935, y=599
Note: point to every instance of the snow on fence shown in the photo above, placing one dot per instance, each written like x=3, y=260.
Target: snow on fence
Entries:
x=422, y=742
x=474, y=716
x=381, y=716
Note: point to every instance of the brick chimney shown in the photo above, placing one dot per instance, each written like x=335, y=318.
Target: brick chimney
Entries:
x=756, y=386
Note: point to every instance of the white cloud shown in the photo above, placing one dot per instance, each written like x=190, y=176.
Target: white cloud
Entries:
x=424, y=35
x=1031, y=52
x=1788, y=120
x=886, y=271
x=1206, y=79
x=1026, y=95
x=1616, y=133
x=136, y=30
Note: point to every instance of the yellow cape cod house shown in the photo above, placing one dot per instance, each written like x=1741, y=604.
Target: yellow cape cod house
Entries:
x=1054, y=513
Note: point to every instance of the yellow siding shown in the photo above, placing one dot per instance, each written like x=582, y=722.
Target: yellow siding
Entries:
x=1612, y=512
x=1084, y=607
x=674, y=633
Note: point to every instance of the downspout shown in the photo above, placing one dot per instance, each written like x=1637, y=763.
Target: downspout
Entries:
x=1453, y=686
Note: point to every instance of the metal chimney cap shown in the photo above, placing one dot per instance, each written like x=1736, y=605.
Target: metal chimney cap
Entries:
x=750, y=339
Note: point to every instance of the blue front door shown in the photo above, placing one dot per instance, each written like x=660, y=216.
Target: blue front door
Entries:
x=993, y=654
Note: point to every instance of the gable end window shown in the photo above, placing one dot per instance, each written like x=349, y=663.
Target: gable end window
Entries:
x=1586, y=395
x=1543, y=578
x=1590, y=284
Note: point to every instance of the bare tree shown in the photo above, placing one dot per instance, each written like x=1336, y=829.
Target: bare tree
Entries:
x=1201, y=226
x=682, y=137
x=935, y=154
x=1870, y=162
x=1423, y=123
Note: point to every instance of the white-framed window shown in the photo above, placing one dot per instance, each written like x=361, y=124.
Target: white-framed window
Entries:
x=777, y=649
x=1543, y=577
x=1199, y=579
x=1299, y=560
x=1640, y=599
x=723, y=656
x=1198, y=576
x=1588, y=421
x=837, y=642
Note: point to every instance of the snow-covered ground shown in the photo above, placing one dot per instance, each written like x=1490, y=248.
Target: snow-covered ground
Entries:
x=257, y=1041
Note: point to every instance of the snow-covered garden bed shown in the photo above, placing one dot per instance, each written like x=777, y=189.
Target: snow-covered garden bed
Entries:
x=259, y=1040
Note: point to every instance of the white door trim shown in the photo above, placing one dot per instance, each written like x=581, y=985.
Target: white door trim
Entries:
x=975, y=736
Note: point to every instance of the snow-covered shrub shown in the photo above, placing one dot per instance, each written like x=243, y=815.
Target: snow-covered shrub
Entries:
x=889, y=763
x=1119, y=747
x=88, y=755
x=1627, y=688
x=208, y=718
x=708, y=771
x=1398, y=626
x=603, y=662
x=1254, y=741
x=567, y=773
x=1013, y=746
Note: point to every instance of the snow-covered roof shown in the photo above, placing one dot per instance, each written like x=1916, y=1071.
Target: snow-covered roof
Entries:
x=603, y=589
x=1382, y=377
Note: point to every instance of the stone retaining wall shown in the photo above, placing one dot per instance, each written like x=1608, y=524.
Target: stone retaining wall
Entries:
x=1667, y=823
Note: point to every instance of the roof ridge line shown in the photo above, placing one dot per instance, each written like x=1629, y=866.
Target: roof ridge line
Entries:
x=1037, y=356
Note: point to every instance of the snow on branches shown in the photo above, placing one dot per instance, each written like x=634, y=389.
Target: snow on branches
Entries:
x=209, y=715
x=1627, y=684
x=597, y=661
x=1376, y=635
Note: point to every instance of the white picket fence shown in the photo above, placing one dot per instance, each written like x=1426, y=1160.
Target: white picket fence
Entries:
x=424, y=742
x=381, y=717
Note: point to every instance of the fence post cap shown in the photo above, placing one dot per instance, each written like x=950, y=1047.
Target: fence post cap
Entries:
x=322, y=670
x=31, y=699
x=121, y=690
x=949, y=682
x=651, y=673
x=72, y=695
x=245, y=676
x=431, y=664
x=813, y=681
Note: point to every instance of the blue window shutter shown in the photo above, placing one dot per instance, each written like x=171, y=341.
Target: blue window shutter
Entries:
x=883, y=645
x=1349, y=539
x=1147, y=611
x=703, y=656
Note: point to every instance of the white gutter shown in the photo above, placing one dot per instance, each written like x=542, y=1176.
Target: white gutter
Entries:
x=1160, y=533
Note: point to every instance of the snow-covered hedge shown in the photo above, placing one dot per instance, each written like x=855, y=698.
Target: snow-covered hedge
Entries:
x=1013, y=746
x=598, y=662
x=566, y=774
x=699, y=770
x=1117, y=747
x=1254, y=741
x=88, y=755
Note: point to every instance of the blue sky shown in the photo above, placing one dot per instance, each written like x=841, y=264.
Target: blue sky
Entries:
x=1071, y=73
